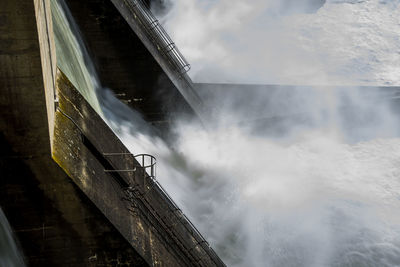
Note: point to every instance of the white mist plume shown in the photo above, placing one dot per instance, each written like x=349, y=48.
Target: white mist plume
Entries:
x=306, y=199
x=321, y=193
x=344, y=42
x=324, y=191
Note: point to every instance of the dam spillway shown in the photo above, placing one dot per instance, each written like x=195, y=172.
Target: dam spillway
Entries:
x=101, y=208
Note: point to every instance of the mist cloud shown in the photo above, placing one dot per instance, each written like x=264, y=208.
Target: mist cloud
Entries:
x=317, y=183
x=317, y=189
x=343, y=42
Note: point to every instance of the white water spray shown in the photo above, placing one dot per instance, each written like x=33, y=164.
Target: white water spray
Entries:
x=344, y=42
x=322, y=194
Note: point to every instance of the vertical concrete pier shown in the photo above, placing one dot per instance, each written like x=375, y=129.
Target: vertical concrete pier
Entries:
x=65, y=209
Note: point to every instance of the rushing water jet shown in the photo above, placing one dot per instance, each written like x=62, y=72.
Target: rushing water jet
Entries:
x=10, y=254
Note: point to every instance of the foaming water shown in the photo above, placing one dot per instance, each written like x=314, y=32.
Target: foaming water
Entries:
x=10, y=256
x=313, y=201
x=343, y=42
x=323, y=193
x=316, y=197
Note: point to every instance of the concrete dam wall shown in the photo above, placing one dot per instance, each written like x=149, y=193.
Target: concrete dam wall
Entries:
x=72, y=192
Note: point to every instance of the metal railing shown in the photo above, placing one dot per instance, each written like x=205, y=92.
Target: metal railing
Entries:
x=200, y=240
x=147, y=162
x=148, y=170
x=158, y=35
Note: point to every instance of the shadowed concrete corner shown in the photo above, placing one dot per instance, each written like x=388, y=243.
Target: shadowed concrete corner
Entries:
x=65, y=209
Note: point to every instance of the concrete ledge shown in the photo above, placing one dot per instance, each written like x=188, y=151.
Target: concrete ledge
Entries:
x=151, y=224
x=181, y=80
